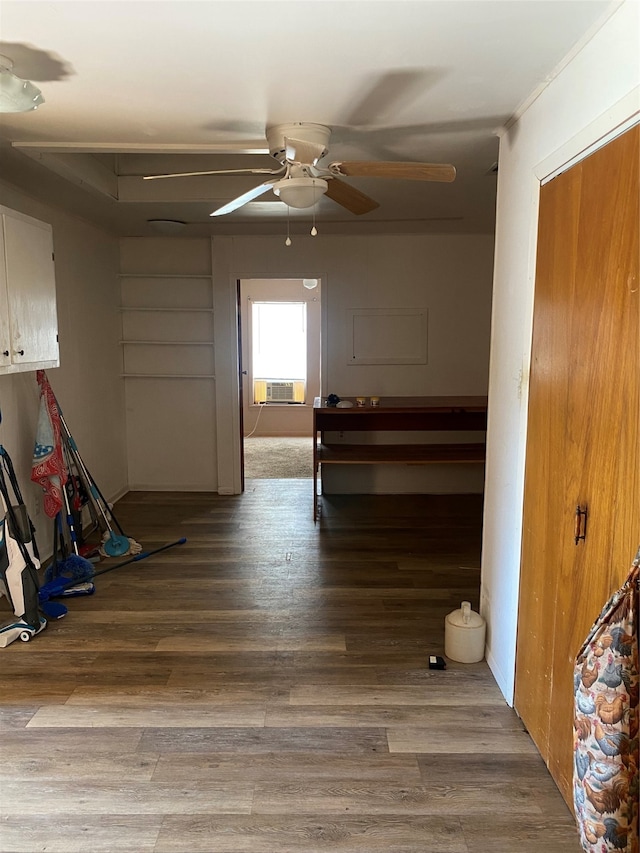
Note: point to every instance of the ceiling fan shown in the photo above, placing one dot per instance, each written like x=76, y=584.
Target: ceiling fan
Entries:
x=300, y=181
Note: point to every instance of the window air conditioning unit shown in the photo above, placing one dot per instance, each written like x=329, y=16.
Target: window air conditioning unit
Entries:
x=272, y=391
x=280, y=392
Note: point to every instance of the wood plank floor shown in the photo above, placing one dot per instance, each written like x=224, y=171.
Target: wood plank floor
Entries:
x=264, y=688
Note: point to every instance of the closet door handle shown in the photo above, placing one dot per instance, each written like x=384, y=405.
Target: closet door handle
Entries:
x=580, y=528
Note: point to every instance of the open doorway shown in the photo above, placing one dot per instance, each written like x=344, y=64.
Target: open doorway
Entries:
x=280, y=323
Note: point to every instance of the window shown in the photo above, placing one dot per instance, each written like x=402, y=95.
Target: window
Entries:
x=279, y=340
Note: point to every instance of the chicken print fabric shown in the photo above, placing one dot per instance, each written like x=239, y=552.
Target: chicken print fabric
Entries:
x=605, y=726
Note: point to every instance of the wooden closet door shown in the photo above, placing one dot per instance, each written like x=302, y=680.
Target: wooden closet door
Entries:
x=583, y=432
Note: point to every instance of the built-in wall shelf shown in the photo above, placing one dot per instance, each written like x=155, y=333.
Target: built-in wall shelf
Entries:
x=176, y=276
x=160, y=310
x=167, y=326
x=170, y=343
x=167, y=363
x=167, y=376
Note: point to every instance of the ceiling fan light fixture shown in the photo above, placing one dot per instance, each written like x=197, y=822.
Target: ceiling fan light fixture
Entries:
x=300, y=192
x=16, y=95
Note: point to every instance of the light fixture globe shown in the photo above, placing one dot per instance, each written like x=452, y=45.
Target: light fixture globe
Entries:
x=300, y=192
x=16, y=95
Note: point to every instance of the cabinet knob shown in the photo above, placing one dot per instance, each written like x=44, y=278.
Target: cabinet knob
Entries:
x=5, y=352
x=19, y=352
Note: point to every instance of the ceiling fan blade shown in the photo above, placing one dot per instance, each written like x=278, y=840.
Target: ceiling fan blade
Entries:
x=302, y=151
x=217, y=172
x=243, y=199
x=349, y=197
x=403, y=171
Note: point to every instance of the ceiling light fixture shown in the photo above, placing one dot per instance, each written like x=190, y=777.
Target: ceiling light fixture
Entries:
x=16, y=95
x=300, y=192
x=167, y=226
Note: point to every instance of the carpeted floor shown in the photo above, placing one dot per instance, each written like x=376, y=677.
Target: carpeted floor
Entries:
x=278, y=458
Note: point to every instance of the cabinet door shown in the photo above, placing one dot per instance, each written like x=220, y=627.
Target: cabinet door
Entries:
x=583, y=435
x=29, y=266
x=5, y=332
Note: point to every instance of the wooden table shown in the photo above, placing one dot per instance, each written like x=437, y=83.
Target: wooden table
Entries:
x=397, y=414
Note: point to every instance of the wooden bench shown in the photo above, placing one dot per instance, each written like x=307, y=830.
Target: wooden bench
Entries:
x=403, y=414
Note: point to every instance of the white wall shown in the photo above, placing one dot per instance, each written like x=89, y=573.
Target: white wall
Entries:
x=450, y=275
x=87, y=383
x=594, y=93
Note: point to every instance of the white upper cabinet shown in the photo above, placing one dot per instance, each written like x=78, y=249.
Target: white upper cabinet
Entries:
x=28, y=318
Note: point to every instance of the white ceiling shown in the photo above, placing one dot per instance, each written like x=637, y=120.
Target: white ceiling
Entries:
x=135, y=88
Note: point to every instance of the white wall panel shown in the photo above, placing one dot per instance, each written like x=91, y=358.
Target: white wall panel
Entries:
x=170, y=434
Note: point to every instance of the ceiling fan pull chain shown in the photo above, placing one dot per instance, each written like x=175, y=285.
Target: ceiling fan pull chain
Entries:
x=287, y=242
x=314, y=230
